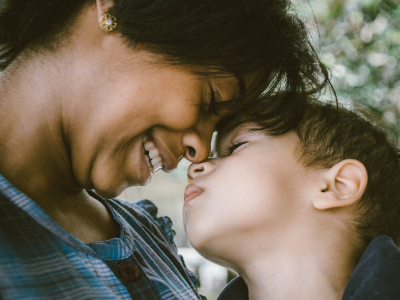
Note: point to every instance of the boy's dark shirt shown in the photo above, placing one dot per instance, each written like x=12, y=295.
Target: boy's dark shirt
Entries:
x=376, y=277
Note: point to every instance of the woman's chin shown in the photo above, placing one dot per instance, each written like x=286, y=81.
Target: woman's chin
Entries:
x=108, y=194
x=110, y=191
x=107, y=188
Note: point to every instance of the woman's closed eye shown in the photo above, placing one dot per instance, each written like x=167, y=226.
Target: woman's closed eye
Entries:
x=212, y=107
x=235, y=145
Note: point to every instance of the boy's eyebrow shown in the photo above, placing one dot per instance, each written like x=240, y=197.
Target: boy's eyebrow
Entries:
x=228, y=123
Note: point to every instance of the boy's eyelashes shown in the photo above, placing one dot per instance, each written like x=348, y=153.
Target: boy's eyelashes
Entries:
x=231, y=148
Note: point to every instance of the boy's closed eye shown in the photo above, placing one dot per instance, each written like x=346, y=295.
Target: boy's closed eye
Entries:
x=230, y=149
x=231, y=141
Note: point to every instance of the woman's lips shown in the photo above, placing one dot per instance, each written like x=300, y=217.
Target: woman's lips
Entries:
x=145, y=173
x=170, y=161
x=192, y=191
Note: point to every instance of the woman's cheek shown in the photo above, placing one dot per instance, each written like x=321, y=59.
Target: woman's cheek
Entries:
x=181, y=118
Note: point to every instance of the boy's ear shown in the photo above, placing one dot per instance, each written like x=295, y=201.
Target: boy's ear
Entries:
x=342, y=185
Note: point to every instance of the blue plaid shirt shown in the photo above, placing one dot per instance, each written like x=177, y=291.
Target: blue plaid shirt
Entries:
x=40, y=260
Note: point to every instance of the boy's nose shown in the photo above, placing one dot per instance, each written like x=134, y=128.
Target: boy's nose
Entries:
x=194, y=170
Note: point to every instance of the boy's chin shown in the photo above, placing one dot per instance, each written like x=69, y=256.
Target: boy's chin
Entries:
x=218, y=257
x=211, y=249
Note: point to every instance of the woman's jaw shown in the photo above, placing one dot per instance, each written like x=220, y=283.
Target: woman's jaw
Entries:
x=134, y=166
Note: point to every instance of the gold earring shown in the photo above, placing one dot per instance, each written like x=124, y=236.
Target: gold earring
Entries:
x=108, y=22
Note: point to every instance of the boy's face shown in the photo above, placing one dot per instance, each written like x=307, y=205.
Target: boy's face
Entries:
x=255, y=190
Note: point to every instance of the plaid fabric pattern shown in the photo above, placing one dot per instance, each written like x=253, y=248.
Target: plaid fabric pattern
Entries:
x=40, y=260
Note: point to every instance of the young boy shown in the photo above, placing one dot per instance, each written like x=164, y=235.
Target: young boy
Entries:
x=310, y=214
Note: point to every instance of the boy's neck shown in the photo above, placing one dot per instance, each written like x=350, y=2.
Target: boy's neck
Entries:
x=308, y=271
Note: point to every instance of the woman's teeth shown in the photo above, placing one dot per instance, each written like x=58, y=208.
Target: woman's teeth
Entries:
x=153, y=158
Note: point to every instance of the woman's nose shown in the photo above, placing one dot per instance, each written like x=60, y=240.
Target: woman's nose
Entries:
x=197, y=140
x=197, y=146
x=196, y=149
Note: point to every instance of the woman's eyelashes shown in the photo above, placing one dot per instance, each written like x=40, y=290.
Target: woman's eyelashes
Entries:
x=212, y=106
x=230, y=149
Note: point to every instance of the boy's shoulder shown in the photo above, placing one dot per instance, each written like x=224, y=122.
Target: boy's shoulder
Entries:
x=376, y=277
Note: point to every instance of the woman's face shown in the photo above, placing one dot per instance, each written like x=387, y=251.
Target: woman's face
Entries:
x=133, y=95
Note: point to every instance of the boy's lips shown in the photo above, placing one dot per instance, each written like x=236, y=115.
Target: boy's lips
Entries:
x=192, y=191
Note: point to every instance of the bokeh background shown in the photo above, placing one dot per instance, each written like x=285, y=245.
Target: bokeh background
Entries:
x=359, y=40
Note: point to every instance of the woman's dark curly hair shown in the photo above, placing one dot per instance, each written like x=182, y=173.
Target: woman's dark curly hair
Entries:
x=227, y=36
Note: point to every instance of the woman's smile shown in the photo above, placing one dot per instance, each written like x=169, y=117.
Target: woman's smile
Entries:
x=152, y=155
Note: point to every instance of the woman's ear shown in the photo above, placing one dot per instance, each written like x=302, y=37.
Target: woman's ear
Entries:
x=342, y=185
x=102, y=8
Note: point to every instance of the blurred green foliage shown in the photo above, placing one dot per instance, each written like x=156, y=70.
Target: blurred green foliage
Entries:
x=359, y=40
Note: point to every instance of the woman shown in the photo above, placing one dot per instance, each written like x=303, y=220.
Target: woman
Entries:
x=95, y=95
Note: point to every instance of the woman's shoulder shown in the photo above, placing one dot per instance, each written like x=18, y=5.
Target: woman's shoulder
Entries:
x=146, y=212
